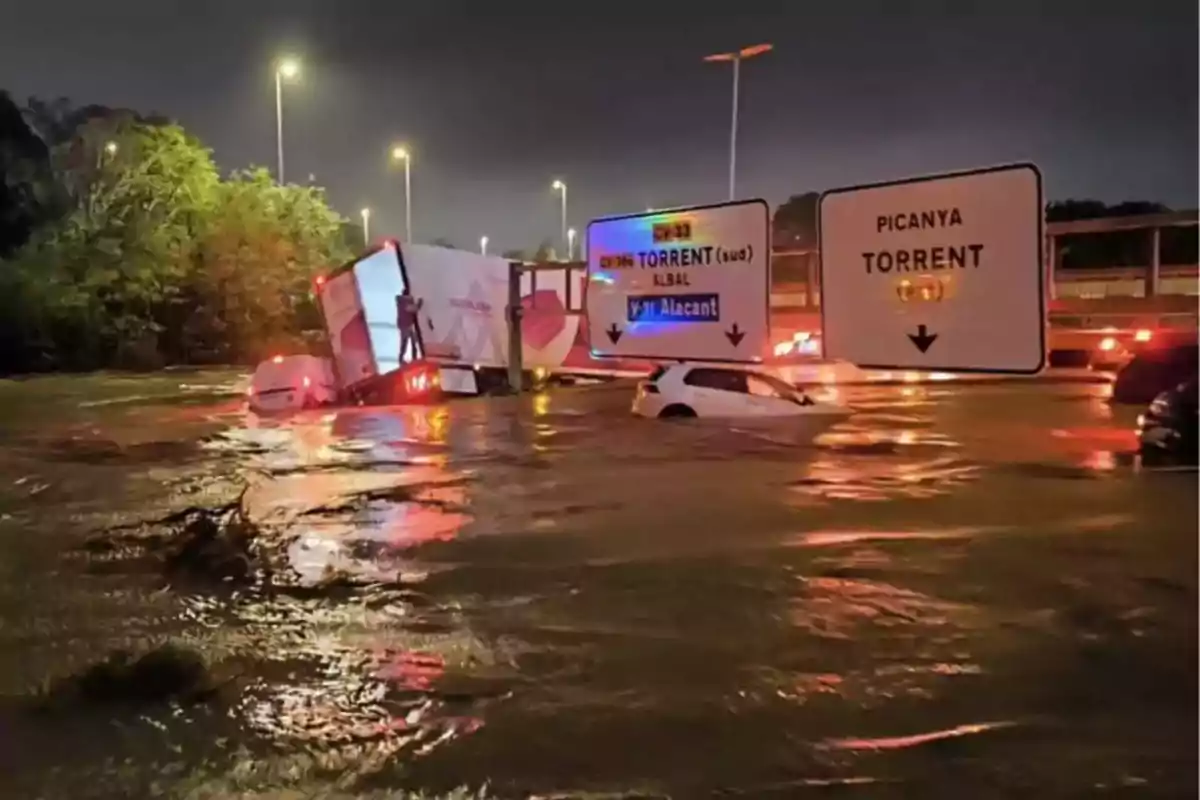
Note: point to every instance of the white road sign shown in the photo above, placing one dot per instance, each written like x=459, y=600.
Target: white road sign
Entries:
x=688, y=284
x=942, y=273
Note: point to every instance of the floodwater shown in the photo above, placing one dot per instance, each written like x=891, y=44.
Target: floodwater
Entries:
x=962, y=591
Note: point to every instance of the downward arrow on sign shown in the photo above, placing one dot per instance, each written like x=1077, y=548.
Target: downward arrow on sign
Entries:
x=614, y=333
x=735, y=335
x=922, y=339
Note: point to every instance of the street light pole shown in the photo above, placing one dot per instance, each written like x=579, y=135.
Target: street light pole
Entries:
x=737, y=72
x=366, y=218
x=570, y=244
x=561, y=186
x=408, y=198
x=483, y=240
x=737, y=58
x=401, y=154
x=279, y=127
x=287, y=68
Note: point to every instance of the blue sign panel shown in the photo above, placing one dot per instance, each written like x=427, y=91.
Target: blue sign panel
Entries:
x=674, y=308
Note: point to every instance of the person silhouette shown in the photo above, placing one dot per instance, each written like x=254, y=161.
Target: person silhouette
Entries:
x=406, y=322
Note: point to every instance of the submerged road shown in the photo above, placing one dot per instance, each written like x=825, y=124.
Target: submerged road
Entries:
x=963, y=591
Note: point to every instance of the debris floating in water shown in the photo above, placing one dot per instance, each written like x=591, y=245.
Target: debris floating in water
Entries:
x=165, y=674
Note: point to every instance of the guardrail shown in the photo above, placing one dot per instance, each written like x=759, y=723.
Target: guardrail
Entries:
x=1102, y=322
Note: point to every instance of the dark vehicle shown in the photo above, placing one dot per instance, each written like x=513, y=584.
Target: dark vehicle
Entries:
x=1154, y=371
x=414, y=382
x=1167, y=430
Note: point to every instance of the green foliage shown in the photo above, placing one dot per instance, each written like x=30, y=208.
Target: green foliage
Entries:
x=263, y=246
x=26, y=186
x=151, y=257
x=98, y=274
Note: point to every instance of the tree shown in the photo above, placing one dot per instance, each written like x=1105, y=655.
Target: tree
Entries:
x=26, y=183
x=1071, y=210
x=58, y=121
x=1129, y=248
x=544, y=252
x=148, y=255
x=262, y=248
x=795, y=223
x=104, y=271
x=794, y=227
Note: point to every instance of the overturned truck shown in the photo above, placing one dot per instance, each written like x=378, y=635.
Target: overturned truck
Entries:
x=407, y=322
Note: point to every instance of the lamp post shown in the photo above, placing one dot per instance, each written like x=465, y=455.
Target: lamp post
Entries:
x=737, y=57
x=286, y=69
x=483, y=240
x=400, y=153
x=561, y=187
x=570, y=244
x=366, y=218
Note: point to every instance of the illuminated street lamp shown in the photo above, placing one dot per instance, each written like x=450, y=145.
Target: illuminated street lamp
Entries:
x=483, y=240
x=570, y=244
x=366, y=218
x=110, y=148
x=285, y=69
x=737, y=57
x=560, y=186
x=400, y=153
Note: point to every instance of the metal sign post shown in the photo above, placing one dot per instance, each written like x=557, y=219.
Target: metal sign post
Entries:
x=513, y=312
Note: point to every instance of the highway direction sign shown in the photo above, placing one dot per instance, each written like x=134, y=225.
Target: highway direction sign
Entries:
x=690, y=284
x=943, y=273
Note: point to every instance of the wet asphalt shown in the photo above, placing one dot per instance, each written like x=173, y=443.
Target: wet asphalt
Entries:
x=962, y=591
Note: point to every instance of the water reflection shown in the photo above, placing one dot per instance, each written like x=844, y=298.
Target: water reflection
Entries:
x=586, y=582
x=346, y=689
x=541, y=404
x=891, y=448
x=356, y=491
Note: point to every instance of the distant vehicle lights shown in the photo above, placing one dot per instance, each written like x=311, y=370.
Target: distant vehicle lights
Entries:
x=801, y=343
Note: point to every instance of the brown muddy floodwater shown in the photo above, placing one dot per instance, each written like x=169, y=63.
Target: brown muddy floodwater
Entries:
x=961, y=592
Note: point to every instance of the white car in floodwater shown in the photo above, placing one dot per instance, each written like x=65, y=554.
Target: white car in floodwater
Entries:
x=292, y=383
x=732, y=393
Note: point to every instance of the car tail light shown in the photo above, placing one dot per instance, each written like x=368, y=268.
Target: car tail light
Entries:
x=649, y=388
x=1107, y=344
x=277, y=359
x=307, y=382
x=1142, y=335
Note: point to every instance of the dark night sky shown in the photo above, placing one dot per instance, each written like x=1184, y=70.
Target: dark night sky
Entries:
x=497, y=99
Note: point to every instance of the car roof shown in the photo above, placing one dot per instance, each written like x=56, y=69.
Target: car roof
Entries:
x=291, y=365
